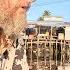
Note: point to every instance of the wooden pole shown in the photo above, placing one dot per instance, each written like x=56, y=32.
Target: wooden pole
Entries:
x=45, y=53
x=50, y=48
x=64, y=56
x=37, y=53
x=61, y=53
x=31, y=53
x=39, y=29
x=69, y=55
x=56, y=55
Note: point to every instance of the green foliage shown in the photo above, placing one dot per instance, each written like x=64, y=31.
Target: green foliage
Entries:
x=46, y=13
x=41, y=19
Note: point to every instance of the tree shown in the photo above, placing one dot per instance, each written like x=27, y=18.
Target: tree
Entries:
x=46, y=13
x=41, y=18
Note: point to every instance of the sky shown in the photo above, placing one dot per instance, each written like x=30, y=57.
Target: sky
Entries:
x=56, y=7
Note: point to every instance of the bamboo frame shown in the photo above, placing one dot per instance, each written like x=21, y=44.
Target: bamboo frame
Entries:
x=51, y=40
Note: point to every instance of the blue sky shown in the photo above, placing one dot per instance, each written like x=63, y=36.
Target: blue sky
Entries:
x=56, y=7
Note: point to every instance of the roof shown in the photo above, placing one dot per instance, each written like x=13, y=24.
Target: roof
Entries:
x=49, y=23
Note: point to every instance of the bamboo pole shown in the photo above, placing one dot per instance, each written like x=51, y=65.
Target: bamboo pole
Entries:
x=45, y=53
x=61, y=52
x=64, y=56
x=39, y=29
x=56, y=55
x=50, y=48
x=37, y=53
x=69, y=56
x=31, y=53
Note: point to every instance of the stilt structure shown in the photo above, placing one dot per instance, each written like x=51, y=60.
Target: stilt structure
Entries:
x=44, y=58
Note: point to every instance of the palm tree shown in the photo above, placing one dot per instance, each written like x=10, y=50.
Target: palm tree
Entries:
x=46, y=13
